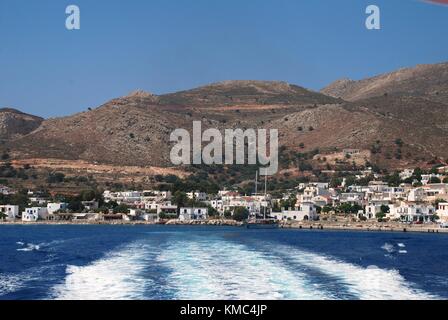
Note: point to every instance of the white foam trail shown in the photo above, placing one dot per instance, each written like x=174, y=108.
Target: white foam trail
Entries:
x=30, y=247
x=27, y=247
x=371, y=283
x=388, y=247
x=401, y=245
x=216, y=269
x=402, y=251
x=118, y=276
x=10, y=283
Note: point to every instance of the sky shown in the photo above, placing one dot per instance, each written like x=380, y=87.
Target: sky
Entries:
x=164, y=46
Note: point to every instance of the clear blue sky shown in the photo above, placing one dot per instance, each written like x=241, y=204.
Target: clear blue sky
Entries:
x=168, y=45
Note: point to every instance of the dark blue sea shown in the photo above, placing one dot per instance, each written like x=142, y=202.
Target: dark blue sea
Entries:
x=178, y=262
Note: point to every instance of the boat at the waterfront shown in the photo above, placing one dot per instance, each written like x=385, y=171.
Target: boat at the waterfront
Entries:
x=266, y=222
x=262, y=224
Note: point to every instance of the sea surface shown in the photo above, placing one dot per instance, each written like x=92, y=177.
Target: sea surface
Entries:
x=179, y=262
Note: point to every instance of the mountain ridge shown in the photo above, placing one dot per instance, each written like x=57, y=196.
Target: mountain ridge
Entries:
x=135, y=129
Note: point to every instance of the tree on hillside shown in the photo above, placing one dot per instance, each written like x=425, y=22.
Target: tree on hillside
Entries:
x=180, y=198
x=240, y=214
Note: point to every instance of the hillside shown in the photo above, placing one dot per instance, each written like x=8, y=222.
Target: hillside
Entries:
x=406, y=127
x=429, y=81
x=14, y=124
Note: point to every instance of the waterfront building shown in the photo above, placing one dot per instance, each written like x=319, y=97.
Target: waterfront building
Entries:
x=412, y=212
x=53, y=207
x=442, y=211
x=11, y=212
x=304, y=212
x=189, y=214
x=34, y=214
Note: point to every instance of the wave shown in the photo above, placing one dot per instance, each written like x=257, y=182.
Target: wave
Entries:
x=117, y=276
x=28, y=247
x=224, y=270
x=213, y=268
x=10, y=283
x=388, y=247
x=370, y=283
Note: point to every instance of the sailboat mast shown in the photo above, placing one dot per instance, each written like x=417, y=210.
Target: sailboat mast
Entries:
x=265, y=188
x=256, y=182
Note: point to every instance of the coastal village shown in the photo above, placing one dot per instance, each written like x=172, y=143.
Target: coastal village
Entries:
x=420, y=199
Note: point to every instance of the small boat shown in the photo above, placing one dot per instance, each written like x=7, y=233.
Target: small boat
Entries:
x=262, y=224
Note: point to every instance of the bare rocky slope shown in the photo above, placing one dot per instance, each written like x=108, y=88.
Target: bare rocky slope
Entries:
x=14, y=124
x=407, y=126
x=429, y=81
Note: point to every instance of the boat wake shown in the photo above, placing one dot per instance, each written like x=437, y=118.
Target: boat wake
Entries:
x=201, y=268
x=117, y=276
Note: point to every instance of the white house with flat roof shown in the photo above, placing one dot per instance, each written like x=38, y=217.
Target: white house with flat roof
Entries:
x=442, y=211
x=189, y=214
x=34, y=214
x=54, y=207
x=303, y=212
x=199, y=196
x=11, y=212
x=412, y=212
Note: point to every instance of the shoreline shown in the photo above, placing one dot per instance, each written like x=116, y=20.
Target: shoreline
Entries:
x=316, y=226
x=368, y=227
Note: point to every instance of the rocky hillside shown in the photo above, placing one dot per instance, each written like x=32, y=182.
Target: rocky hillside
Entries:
x=426, y=81
x=245, y=92
x=14, y=124
x=395, y=120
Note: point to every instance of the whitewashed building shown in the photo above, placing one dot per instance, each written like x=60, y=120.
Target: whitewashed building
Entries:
x=199, y=196
x=34, y=214
x=442, y=211
x=304, y=212
x=11, y=212
x=412, y=212
x=189, y=214
x=54, y=207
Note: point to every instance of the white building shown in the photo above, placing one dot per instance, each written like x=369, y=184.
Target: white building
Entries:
x=155, y=195
x=426, y=178
x=6, y=190
x=188, y=214
x=52, y=208
x=373, y=208
x=216, y=204
x=90, y=205
x=199, y=196
x=122, y=197
x=34, y=214
x=11, y=212
x=38, y=200
x=150, y=217
x=442, y=211
x=416, y=195
x=412, y=212
x=304, y=212
x=406, y=174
